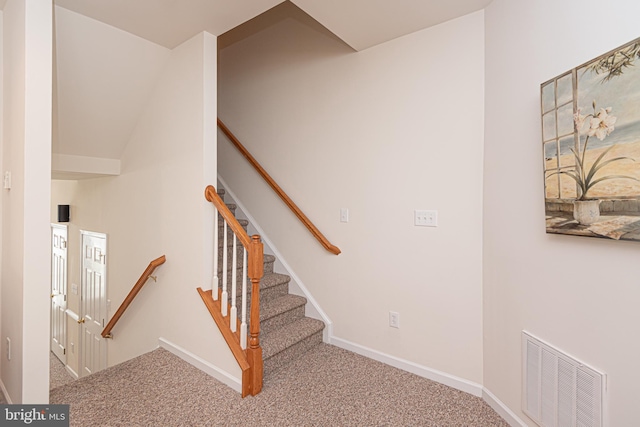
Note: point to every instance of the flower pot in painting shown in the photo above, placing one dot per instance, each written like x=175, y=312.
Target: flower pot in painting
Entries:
x=586, y=212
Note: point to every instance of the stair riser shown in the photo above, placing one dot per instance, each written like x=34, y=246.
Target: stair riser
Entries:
x=285, y=357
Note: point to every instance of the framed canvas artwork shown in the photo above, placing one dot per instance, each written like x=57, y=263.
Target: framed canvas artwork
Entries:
x=591, y=147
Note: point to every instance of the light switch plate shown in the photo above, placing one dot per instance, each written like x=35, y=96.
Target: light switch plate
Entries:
x=425, y=218
x=344, y=215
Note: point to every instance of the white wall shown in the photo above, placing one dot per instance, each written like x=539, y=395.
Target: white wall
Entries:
x=579, y=294
x=382, y=132
x=104, y=77
x=2, y=387
x=27, y=154
x=157, y=206
x=12, y=201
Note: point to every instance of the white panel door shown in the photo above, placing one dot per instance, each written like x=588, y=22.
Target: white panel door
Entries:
x=93, y=302
x=59, y=291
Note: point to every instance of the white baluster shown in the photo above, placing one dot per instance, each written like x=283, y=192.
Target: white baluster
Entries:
x=215, y=280
x=224, y=297
x=233, y=321
x=243, y=324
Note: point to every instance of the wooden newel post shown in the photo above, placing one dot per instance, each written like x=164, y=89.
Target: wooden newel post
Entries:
x=254, y=352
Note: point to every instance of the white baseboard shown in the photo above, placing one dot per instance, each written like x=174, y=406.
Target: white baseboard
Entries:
x=4, y=391
x=422, y=371
x=71, y=372
x=502, y=409
x=203, y=365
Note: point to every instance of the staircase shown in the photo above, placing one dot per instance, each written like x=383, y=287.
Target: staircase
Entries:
x=285, y=332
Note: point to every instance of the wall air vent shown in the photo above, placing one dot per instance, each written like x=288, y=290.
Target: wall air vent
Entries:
x=558, y=390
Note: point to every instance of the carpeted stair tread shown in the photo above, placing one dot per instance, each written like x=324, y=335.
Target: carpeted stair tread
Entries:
x=285, y=332
x=273, y=279
x=267, y=266
x=268, y=261
x=280, y=312
x=268, y=281
x=243, y=222
x=287, y=336
x=280, y=305
x=269, y=258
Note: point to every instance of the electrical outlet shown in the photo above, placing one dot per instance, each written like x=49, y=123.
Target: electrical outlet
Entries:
x=394, y=319
x=425, y=218
x=8, y=348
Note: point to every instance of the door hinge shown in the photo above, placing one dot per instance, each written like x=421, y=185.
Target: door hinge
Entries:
x=64, y=351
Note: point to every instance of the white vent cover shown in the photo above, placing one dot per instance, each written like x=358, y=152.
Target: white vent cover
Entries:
x=558, y=390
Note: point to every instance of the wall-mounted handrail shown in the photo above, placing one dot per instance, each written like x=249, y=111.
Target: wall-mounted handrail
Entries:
x=225, y=314
x=279, y=191
x=106, y=333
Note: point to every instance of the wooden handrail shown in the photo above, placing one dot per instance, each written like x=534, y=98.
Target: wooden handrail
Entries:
x=106, y=333
x=279, y=191
x=212, y=196
x=249, y=360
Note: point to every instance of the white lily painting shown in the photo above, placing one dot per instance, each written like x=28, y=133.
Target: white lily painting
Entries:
x=591, y=147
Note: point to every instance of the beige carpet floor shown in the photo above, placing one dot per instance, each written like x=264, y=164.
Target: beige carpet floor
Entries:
x=58, y=375
x=328, y=386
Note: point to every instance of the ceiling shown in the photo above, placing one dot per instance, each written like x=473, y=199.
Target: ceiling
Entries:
x=109, y=54
x=360, y=23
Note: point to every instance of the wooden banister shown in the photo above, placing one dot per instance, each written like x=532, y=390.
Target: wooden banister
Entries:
x=106, y=333
x=233, y=340
x=279, y=191
x=249, y=360
x=211, y=195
